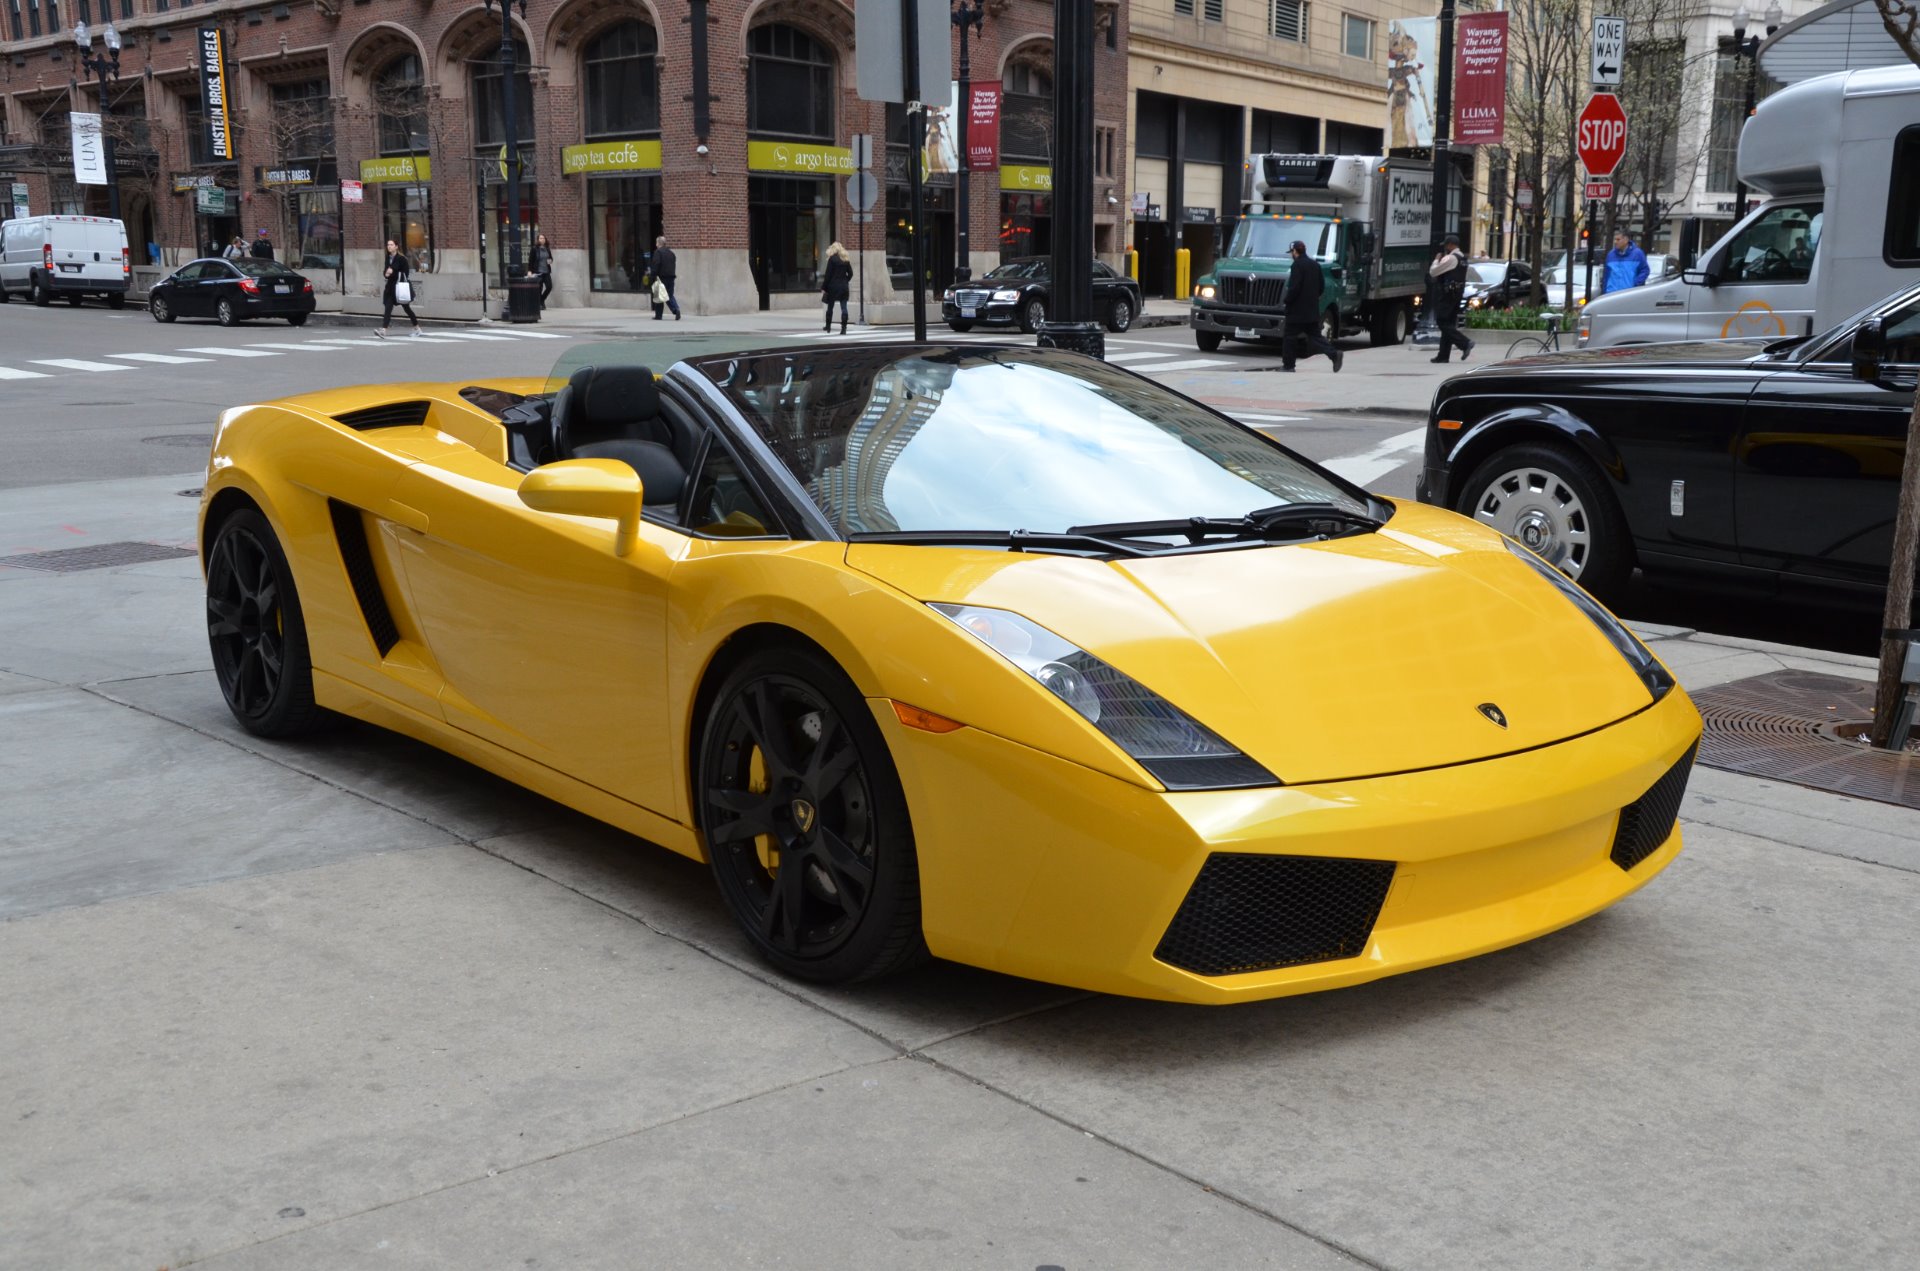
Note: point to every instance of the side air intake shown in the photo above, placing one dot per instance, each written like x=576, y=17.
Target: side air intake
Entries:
x=389, y=415
x=1258, y=913
x=350, y=530
x=1647, y=822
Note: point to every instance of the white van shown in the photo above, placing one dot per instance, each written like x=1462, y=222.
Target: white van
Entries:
x=1838, y=160
x=73, y=256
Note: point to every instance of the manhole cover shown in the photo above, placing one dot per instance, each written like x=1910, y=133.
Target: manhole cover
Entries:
x=1792, y=726
x=199, y=441
x=193, y=493
x=68, y=560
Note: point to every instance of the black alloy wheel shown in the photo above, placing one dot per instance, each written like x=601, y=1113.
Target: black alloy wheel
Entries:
x=1033, y=312
x=256, y=631
x=224, y=313
x=1120, y=314
x=160, y=309
x=806, y=825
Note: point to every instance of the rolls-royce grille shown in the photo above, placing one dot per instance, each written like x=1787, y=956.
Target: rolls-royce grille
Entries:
x=1647, y=822
x=1257, y=913
x=1255, y=290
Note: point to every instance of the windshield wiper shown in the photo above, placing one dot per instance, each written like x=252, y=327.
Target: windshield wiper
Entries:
x=1289, y=520
x=1012, y=540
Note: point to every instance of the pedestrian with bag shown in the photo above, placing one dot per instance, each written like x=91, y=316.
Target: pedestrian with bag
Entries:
x=837, y=283
x=1300, y=305
x=398, y=291
x=664, y=268
x=1448, y=273
x=543, y=266
x=236, y=250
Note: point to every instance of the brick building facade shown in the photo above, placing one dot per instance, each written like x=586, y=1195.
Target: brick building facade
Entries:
x=403, y=98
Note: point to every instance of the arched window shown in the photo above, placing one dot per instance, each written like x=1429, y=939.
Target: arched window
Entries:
x=789, y=83
x=400, y=99
x=488, y=122
x=622, y=88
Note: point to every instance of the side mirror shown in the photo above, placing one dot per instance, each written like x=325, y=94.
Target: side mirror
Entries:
x=604, y=488
x=1699, y=278
x=1869, y=349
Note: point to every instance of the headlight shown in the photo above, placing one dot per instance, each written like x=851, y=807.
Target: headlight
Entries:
x=1584, y=328
x=1176, y=748
x=1204, y=293
x=1418, y=301
x=947, y=294
x=1638, y=656
x=1474, y=303
x=1005, y=297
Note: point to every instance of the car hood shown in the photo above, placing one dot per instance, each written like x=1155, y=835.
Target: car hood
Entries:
x=1357, y=657
x=1678, y=355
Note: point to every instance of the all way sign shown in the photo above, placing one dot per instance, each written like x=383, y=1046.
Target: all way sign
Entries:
x=1609, y=50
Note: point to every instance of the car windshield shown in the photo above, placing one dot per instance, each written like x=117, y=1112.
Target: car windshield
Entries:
x=1004, y=440
x=1257, y=238
x=1020, y=269
x=261, y=268
x=1489, y=275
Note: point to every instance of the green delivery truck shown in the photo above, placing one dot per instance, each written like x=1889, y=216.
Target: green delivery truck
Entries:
x=1365, y=218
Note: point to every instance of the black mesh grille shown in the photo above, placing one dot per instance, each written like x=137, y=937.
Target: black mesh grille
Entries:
x=1648, y=820
x=351, y=531
x=391, y=415
x=1255, y=913
x=1264, y=292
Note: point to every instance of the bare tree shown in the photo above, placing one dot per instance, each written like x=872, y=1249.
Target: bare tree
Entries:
x=1902, y=20
x=1661, y=90
x=1543, y=42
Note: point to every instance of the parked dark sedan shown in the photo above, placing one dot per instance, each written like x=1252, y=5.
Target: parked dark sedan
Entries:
x=1758, y=463
x=1497, y=284
x=230, y=291
x=1018, y=292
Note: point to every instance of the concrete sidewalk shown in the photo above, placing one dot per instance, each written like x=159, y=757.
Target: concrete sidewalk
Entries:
x=351, y=1003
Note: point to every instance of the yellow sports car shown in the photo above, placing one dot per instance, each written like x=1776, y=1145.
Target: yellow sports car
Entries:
x=998, y=654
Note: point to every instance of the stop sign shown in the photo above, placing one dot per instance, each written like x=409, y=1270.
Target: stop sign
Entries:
x=1602, y=134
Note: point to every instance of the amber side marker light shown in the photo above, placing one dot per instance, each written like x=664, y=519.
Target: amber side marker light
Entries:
x=926, y=721
x=1449, y=425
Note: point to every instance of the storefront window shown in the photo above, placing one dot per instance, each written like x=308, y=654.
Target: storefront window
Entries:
x=494, y=226
x=789, y=84
x=315, y=243
x=623, y=219
x=1026, y=225
x=790, y=223
x=492, y=161
x=406, y=216
x=622, y=89
x=938, y=202
x=401, y=102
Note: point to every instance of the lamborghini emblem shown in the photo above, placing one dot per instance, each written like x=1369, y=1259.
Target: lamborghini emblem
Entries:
x=1493, y=713
x=803, y=815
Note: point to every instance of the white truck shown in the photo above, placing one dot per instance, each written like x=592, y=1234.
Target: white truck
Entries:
x=73, y=256
x=1838, y=161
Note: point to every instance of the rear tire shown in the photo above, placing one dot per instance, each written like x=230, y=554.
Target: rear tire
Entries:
x=75, y=299
x=41, y=296
x=116, y=300
x=1120, y=315
x=1207, y=341
x=805, y=823
x=256, y=631
x=1392, y=326
x=1555, y=502
x=296, y=319
x=224, y=314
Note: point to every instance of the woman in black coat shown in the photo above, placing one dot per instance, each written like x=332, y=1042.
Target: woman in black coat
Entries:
x=836, y=285
x=399, y=270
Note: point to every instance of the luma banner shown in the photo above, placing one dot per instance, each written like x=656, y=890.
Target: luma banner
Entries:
x=213, y=93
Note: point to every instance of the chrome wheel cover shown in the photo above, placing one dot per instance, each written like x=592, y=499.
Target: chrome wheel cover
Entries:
x=1539, y=510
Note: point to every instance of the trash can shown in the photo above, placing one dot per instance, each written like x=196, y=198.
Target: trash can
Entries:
x=523, y=298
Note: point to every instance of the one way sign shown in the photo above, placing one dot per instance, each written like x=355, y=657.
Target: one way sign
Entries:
x=1609, y=50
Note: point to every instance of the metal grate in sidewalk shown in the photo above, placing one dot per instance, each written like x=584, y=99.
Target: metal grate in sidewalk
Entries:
x=1794, y=726
x=69, y=560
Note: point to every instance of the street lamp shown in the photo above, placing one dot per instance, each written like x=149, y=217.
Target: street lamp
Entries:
x=1748, y=47
x=966, y=15
x=106, y=66
x=510, y=129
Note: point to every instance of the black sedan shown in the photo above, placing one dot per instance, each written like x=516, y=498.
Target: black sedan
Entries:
x=1743, y=462
x=1018, y=293
x=230, y=291
x=1497, y=284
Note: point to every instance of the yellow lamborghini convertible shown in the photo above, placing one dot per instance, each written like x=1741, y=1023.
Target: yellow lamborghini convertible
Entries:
x=995, y=654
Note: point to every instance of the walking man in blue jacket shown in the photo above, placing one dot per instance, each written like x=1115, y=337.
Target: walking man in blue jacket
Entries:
x=1626, y=264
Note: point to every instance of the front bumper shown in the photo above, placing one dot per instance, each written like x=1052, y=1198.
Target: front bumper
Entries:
x=1243, y=324
x=985, y=315
x=1034, y=866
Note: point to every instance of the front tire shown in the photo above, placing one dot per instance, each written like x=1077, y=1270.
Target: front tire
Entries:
x=806, y=825
x=225, y=315
x=1120, y=315
x=1207, y=341
x=1553, y=501
x=1330, y=326
x=256, y=631
x=962, y=327
x=160, y=309
x=1032, y=313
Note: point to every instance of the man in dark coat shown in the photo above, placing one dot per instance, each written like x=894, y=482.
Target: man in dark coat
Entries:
x=262, y=247
x=1449, y=274
x=1301, y=306
x=664, y=268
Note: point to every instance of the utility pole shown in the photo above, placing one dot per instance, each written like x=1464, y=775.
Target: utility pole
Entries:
x=107, y=67
x=511, y=133
x=965, y=15
x=916, y=163
x=1070, y=322
x=1443, y=128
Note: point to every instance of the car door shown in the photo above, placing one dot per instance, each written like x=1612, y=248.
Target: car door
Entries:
x=1762, y=278
x=218, y=279
x=549, y=645
x=183, y=289
x=1819, y=459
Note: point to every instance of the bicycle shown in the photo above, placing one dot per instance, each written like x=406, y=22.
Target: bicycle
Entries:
x=1528, y=345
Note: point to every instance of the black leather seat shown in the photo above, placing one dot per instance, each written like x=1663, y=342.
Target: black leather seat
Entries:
x=613, y=412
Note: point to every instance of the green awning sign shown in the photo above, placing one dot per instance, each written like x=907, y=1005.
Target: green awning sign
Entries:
x=611, y=156
x=405, y=167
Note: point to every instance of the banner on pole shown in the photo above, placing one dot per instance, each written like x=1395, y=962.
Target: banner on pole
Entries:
x=1480, y=79
x=213, y=93
x=89, y=150
x=1413, y=45
x=983, y=127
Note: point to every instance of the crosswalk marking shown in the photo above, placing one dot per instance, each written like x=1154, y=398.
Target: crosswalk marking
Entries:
x=77, y=364
x=1191, y=364
x=1270, y=419
x=163, y=359
x=1135, y=357
x=309, y=347
x=473, y=335
x=539, y=335
x=1370, y=465
x=225, y=352
x=8, y=373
